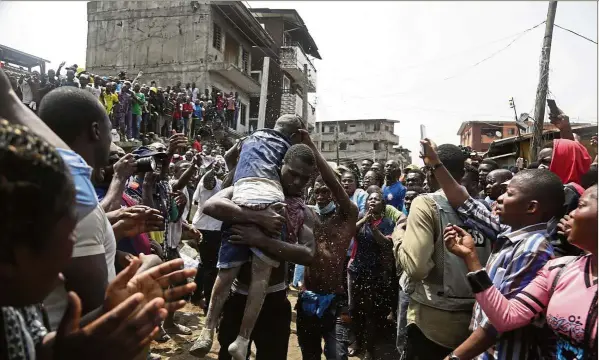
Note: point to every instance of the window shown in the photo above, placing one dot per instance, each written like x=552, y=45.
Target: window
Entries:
x=343, y=128
x=377, y=127
x=375, y=146
x=217, y=37
x=352, y=128
x=286, y=83
x=245, y=61
x=511, y=132
x=322, y=146
x=342, y=146
x=242, y=113
x=331, y=129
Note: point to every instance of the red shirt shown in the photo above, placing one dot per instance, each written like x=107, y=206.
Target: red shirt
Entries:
x=220, y=103
x=197, y=146
x=187, y=109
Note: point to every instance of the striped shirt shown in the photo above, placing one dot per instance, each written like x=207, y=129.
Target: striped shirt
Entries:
x=516, y=258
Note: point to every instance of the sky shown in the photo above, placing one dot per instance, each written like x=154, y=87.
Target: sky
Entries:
x=431, y=63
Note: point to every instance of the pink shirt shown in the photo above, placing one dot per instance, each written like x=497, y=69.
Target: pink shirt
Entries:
x=569, y=310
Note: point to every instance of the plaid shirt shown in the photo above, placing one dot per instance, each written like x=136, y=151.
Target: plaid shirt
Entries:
x=516, y=258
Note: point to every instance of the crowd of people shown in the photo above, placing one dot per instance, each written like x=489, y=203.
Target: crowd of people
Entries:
x=461, y=258
x=136, y=109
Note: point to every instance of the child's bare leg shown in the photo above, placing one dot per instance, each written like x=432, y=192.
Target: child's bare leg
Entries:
x=256, y=294
x=220, y=293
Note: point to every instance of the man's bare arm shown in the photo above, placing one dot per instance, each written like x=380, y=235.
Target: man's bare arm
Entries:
x=346, y=207
x=477, y=343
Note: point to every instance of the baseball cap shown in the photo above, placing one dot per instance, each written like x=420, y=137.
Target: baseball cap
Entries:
x=144, y=151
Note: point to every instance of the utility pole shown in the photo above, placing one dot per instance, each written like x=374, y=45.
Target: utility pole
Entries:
x=263, y=93
x=539, y=119
x=305, y=102
x=337, y=141
x=513, y=106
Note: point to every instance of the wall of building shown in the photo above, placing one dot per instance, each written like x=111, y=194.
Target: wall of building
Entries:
x=479, y=136
x=166, y=40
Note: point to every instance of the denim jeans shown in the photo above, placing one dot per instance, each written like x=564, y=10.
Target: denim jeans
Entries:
x=298, y=275
x=136, y=125
x=311, y=330
x=402, y=321
x=129, y=124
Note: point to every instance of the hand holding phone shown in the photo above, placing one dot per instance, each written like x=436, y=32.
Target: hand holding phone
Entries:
x=422, y=137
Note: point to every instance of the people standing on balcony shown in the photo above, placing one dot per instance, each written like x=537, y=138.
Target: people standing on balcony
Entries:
x=220, y=106
x=187, y=112
x=231, y=110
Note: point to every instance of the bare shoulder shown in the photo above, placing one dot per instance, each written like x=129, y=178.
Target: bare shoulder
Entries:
x=310, y=217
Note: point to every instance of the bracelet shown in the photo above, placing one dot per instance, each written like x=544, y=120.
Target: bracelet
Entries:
x=436, y=166
x=479, y=281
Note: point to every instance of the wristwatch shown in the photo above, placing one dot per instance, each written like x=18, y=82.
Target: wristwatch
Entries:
x=452, y=356
x=479, y=281
x=435, y=166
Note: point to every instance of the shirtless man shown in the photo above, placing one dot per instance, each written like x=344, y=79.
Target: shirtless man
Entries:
x=324, y=277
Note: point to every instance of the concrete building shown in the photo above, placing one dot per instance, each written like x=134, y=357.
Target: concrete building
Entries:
x=288, y=85
x=356, y=140
x=209, y=43
x=480, y=134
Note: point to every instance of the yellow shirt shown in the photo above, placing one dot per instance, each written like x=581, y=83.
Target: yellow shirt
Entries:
x=109, y=101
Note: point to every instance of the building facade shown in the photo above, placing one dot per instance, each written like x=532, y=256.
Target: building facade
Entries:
x=291, y=53
x=209, y=43
x=356, y=140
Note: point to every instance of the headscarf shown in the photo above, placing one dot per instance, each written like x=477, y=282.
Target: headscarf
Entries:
x=570, y=160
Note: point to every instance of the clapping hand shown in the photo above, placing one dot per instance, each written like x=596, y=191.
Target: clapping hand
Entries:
x=153, y=283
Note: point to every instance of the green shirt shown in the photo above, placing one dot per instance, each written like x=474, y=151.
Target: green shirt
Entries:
x=135, y=107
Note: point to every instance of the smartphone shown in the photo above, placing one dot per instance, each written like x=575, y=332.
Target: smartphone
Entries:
x=422, y=137
x=552, y=107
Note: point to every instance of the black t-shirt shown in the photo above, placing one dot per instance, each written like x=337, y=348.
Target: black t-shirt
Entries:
x=560, y=244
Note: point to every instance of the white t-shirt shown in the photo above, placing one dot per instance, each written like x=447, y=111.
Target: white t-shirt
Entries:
x=95, y=92
x=93, y=236
x=27, y=93
x=194, y=94
x=176, y=229
x=202, y=221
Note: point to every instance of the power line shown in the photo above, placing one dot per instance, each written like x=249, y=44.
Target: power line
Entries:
x=450, y=77
x=434, y=60
x=575, y=33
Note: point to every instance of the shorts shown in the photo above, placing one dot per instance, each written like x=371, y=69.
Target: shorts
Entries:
x=233, y=255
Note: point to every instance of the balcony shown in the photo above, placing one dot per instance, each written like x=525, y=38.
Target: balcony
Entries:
x=293, y=59
x=236, y=76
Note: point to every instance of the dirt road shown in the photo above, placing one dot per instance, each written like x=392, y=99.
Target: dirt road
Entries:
x=177, y=347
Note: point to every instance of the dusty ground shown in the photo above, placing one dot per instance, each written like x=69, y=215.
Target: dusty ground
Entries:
x=177, y=347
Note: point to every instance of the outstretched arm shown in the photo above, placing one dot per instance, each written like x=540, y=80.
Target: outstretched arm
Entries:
x=346, y=207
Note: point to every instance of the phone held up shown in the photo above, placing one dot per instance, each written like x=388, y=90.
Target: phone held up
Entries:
x=422, y=137
x=552, y=107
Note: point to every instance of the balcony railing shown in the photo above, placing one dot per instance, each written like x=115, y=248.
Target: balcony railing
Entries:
x=293, y=59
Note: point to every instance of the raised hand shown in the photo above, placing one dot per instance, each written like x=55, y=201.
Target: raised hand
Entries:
x=153, y=283
x=430, y=156
x=125, y=166
x=138, y=219
x=458, y=241
x=121, y=334
x=560, y=120
x=176, y=141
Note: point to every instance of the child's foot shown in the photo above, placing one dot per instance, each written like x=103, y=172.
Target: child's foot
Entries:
x=203, y=344
x=177, y=329
x=239, y=348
